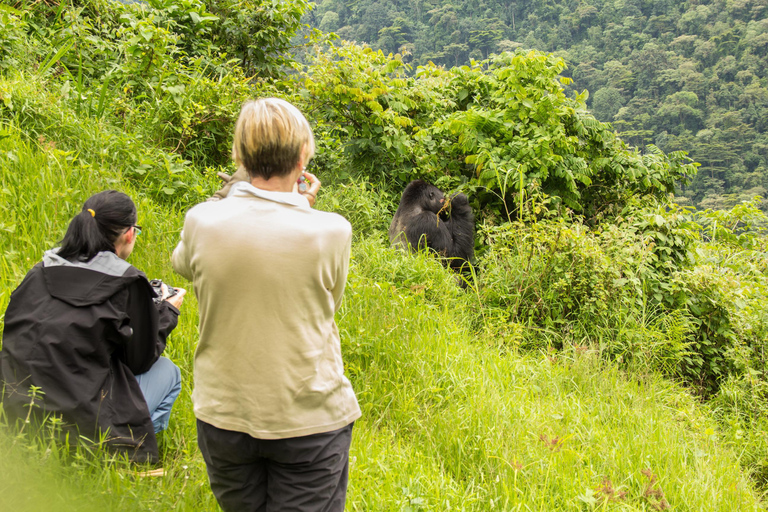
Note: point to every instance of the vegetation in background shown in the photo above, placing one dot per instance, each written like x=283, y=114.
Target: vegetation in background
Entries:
x=681, y=75
x=503, y=129
x=608, y=355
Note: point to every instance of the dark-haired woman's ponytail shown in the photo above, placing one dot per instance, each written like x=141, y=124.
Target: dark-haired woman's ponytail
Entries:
x=104, y=217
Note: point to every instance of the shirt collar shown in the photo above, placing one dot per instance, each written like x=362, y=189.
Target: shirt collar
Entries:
x=245, y=189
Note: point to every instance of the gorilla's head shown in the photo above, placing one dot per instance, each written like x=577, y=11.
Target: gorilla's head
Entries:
x=433, y=198
x=423, y=194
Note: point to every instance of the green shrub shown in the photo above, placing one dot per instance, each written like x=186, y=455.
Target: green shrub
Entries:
x=549, y=274
x=364, y=205
x=504, y=120
x=668, y=234
x=258, y=33
x=717, y=351
x=11, y=38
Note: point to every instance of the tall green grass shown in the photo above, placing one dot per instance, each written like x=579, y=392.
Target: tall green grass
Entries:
x=518, y=432
x=452, y=420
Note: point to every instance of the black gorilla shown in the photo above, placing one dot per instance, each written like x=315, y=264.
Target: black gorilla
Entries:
x=422, y=220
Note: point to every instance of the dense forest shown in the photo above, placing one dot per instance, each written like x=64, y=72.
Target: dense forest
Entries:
x=608, y=350
x=687, y=76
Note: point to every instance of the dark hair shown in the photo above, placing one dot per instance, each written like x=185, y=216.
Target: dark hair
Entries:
x=104, y=217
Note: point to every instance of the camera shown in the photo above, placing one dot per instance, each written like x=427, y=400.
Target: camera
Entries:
x=157, y=285
x=303, y=184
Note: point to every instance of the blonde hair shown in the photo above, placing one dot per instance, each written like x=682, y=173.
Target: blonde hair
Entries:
x=270, y=135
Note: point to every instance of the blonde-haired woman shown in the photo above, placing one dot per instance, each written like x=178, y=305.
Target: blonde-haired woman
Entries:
x=273, y=406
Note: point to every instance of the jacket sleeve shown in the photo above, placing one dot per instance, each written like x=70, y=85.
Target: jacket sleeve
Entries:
x=151, y=324
x=168, y=319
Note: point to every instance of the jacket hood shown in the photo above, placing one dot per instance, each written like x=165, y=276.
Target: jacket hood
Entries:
x=88, y=282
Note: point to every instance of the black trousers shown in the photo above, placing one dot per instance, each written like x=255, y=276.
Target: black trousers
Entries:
x=301, y=474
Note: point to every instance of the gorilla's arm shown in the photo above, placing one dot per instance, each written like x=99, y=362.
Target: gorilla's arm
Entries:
x=461, y=227
x=422, y=229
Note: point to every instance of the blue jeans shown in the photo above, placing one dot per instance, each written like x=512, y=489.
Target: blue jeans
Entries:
x=161, y=384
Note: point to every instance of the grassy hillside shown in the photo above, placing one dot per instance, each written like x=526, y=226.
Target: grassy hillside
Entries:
x=453, y=419
x=557, y=381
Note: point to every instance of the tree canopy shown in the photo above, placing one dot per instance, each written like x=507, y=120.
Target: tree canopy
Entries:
x=681, y=76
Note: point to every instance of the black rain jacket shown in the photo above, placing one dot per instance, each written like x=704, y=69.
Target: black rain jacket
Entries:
x=80, y=332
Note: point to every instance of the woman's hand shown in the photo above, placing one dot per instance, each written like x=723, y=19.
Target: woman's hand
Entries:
x=175, y=300
x=314, y=187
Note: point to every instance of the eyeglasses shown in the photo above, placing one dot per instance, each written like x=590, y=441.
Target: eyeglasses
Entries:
x=137, y=230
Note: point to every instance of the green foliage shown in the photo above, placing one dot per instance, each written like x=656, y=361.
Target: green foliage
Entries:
x=364, y=100
x=11, y=36
x=548, y=275
x=40, y=116
x=732, y=287
x=499, y=125
x=668, y=233
x=720, y=292
x=161, y=68
x=461, y=410
x=743, y=227
x=716, y=350
x=657, y=339
x=517, y=119
x=681, y=76
x=367, y=208
x=258, y=33
x=636, y=290
x=740, y=406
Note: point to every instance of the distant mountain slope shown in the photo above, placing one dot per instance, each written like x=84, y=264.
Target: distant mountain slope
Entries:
x=683, y=75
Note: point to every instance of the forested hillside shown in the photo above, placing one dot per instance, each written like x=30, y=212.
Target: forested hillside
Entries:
x=687, y=76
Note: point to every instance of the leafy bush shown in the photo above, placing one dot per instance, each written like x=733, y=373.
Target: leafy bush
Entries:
x=630, y=290
x=258, y=33
x=668, y=233
x=505, y=120
x=549, y=275
x=162, y=175
x=365, y=206
x=366, y=99
x=716, y=351
x=11, y=37
x=513, y=117
x=724, y=293
x=743, y=227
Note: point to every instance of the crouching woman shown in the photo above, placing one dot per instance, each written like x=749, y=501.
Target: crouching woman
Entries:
x=83, y=336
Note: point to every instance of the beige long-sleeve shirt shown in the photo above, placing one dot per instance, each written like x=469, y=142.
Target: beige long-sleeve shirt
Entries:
x=269, y=273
